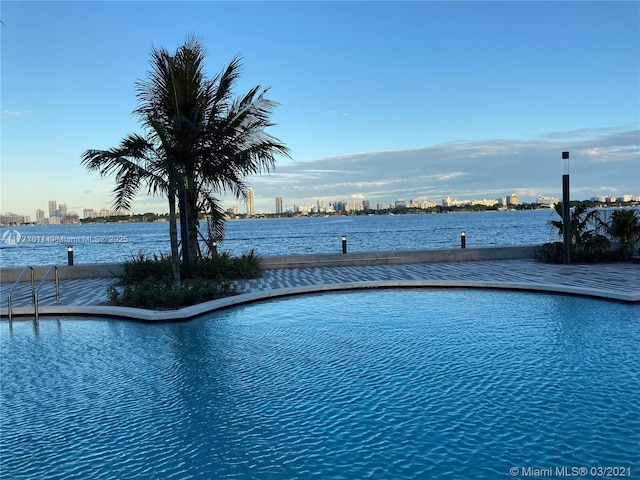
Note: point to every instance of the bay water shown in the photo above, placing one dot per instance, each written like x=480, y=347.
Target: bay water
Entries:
x=118, y=242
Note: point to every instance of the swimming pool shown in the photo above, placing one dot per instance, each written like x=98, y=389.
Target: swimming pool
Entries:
x=379, y=384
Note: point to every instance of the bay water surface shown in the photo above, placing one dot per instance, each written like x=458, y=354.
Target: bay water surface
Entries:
x=118, y=242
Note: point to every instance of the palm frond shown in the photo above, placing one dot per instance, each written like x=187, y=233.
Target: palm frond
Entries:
x=133, y=163
x=225, y=81
x=215, y=218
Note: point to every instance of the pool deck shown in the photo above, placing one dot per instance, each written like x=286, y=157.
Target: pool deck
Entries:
x=86, y=297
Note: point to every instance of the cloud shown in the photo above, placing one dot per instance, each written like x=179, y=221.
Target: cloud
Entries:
x=464, y=170
x=447, y=176
x=615, y=153
x=16, y=113
x=334, y=113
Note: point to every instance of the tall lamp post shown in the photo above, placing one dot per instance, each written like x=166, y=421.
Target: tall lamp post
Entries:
x=566, y=211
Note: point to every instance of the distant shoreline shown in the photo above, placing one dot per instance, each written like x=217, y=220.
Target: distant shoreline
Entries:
x=267, y=216
x=164, y=217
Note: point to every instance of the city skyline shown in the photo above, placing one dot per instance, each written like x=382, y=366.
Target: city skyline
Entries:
x=381, y=100
x=60, y=211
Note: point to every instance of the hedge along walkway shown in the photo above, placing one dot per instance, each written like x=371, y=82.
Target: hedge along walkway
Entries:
x=619, y=281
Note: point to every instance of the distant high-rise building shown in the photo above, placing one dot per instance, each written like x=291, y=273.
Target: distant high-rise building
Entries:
x=340, y=206
x=39, y=214
x=251, y=208
x=62, y=210
x=53, y=208
x=302, y=209
x=366, y=206
x=353, y=206
x=513, y=199
x=484, y=202
x=12, y=219
x=279, y=205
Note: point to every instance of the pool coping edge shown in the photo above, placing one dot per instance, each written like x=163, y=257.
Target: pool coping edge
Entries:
x=186, y=313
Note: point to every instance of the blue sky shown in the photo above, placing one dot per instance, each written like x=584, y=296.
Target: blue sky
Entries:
x=378, y=100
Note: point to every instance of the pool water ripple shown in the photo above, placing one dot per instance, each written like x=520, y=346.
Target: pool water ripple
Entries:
x=374, y=384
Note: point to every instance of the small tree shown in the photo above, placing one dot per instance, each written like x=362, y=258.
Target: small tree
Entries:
x=624, y=227
x=586, y=244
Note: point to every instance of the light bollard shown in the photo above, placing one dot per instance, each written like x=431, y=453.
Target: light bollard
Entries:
x=344, y=244
x=463, y=240
x=566, y=211
x=70, y=255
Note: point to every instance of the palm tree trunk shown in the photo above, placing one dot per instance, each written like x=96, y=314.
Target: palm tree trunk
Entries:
x=184, y=232
x=173, y=237
x=192, y=217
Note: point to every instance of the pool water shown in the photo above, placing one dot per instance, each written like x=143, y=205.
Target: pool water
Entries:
x=381, y=384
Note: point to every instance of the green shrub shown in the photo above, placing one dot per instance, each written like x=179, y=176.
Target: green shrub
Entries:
x=218, y=265
x=148, y=281
x=247, y=265
x=143, y=266
x=154, y=294
x=548, y=252
x=624, y=227
x=595, y=250
x=223, y=265
x=586, y=245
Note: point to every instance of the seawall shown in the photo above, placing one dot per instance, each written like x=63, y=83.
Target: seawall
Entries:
x=11, y=274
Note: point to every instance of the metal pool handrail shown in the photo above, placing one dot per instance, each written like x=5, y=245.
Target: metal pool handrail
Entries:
x=33, y=292
x=44, y=278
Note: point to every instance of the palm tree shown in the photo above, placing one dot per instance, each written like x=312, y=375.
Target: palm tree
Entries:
x=200, y=142
x=585, y=242
x=218, y=140
x=624, y=226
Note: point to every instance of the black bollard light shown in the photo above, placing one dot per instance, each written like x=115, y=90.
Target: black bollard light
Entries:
x=463, y=240
x=70, y=255
x=214, y=248
x=344, y=244
x=566, y=211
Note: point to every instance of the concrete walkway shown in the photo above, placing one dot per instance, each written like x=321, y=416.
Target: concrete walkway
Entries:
x=611, y=281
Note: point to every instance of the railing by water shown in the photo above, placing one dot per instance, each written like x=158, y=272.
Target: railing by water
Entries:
x=44, y=278
x=15, y=285
x=34, y=291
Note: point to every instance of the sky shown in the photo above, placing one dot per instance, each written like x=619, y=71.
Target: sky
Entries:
x=377, y=100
